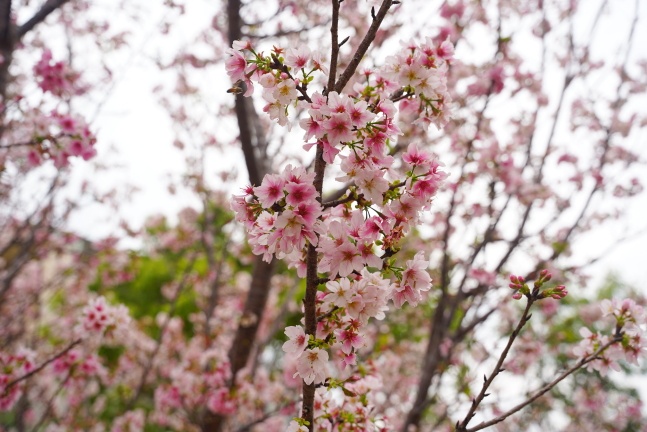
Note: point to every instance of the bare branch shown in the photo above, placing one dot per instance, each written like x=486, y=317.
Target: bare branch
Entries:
x=334, y=33
x=49, y=7
x=498, y=368
x=540, y=392
x=363, y=46
x=42, y=366
x=309, y=303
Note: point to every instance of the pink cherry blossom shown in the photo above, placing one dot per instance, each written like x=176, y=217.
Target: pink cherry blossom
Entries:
x=295, y=427
x=340, y=292
x=312, y=366
x=349, y=339
x=299, y=193
x=270, y=190
x=298, y=340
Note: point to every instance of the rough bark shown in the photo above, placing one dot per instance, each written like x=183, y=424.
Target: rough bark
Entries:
x=251, y=143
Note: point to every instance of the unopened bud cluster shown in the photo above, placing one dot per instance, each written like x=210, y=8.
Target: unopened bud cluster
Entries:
x=521, y=288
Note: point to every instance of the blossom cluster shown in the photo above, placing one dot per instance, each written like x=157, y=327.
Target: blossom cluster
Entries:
x=629, y=319
x=356, y=236
x=56, y=77
x=13, y=366
x=345, y=308
x=98, y=317
x=280, y=214
x=284, y=213
x=420, y=70
x=58, y=137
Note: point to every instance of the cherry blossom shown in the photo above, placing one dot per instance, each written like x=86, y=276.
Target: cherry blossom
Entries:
x=312, y=366
x=298, y=341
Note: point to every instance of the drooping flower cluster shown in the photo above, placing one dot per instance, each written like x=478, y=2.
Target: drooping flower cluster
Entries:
x=280, y=214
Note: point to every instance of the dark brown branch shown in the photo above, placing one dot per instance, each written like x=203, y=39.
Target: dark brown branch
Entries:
x=42, y=366
x=310, y=308
x=252, y=315
x=363, y=46
x=7, y=41
x=334, y=33
x=253, y=141
x=6, y=26
x=244, y=107
x=40, y=16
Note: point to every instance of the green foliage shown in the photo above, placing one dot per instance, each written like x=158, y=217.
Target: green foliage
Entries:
x=110, y=355
x=7, y=418
x=143, y=294
x=116, y=399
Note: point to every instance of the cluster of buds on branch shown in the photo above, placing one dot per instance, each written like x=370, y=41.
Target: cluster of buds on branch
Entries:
x=521, y=288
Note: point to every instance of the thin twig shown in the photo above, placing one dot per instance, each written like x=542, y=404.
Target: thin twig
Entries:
x=50, y=402
x=42, y=366
x=499, y=366
x=540, y=392
x=363, y=46
x=334, y=54
x=49, y=7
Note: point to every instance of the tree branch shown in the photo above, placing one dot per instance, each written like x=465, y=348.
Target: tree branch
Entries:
x=498, y=368
x=540, y=392
x=47, y=8
x=334, y=54
x=363, y=46
x=42, y=366
x=312, y=283
x=251, y=140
